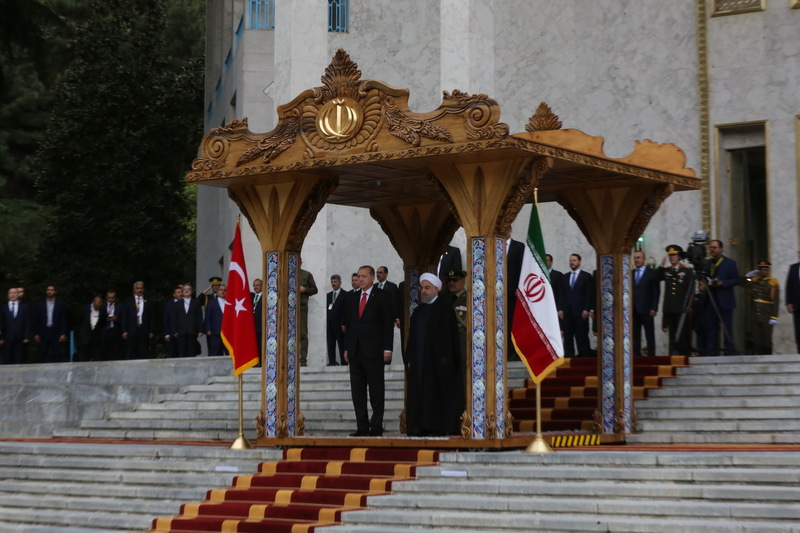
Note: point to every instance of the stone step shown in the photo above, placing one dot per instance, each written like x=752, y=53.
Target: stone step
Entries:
x=722, y=380
x=675, y=389
x=671, y=437
x=658, y=403
x=694, y=413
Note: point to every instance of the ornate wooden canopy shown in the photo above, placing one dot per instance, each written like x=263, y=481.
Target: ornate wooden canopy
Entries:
x=354, y=142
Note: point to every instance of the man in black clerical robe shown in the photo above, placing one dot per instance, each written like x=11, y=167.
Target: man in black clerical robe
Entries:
x=435, y=392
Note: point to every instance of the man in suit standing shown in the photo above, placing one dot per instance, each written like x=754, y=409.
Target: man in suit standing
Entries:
x=50, y=327
x=391, y=288
x=793, y=299
x=91, y=322
x=215, y=307
x=258, y=310
x=369, y=339
x=169, y=320
x=575, y=307
x=187, y=323
x=646, y=291
x=334, y=301
x=112, y=331
x=137, y=323
x=724, y=276
x=14, y=329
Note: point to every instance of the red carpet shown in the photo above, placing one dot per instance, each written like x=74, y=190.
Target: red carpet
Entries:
x=309, y=488
x=569, y=394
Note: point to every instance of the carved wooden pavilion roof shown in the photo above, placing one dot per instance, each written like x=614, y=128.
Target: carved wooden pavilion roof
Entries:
x=362, y=133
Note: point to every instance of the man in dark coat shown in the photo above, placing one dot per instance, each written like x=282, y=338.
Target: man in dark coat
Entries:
x=14, y=329
x=169, y=320
x=369, y=340
x=646, y=292
x=793, y=299
x=50, y=327
x=334, y=301
x=724, y=276
x=188, y=323
x=137, y=323
x=91, y=323
x=432, y=365
x=575, y=307
x=213, y=323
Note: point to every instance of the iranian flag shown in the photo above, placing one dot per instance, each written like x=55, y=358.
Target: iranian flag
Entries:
x=238, y=325
x=535, y=332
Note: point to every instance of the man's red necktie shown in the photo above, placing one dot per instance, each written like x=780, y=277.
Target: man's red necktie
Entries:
x=362, y=304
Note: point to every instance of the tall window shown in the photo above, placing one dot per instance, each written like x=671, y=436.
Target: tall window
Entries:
x=338, y=19
x=262, y=15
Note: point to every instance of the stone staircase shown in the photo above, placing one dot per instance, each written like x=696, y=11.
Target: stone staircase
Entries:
x=623, y=491
x=731, y=400
x=208, y=409
x=48, y=487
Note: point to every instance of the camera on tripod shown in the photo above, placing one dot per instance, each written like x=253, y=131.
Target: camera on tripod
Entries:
x=696, y=252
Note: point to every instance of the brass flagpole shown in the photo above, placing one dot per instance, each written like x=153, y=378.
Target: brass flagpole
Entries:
x=539, y=445
x=241, y=442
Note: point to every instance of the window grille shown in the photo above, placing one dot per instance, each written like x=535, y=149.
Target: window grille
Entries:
x=338, y=15
x=262, y=15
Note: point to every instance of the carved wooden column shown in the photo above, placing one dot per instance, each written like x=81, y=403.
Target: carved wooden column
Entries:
x=281, y=213
x=612, y=220
x=487, y=196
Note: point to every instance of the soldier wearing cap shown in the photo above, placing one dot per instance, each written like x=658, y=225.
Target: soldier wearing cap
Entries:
x=764, y=300
x=211, y=291
x=457, y=285
x=678, y=289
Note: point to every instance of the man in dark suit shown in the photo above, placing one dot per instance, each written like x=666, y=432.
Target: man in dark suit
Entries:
x=514, y=254
x=112, y=332
x=137, y=323
x=334, y=301
x=556, y=281
x=646, y=292
x=213, y=323
x=575, y=307
x=793, y=299
x=14, y=329
x=369, y=339
x=169, y=320
x=187, y=323
x=91, y=323
x=724, y=276
x=50, y=327
x=391, y=288
x=258, y=310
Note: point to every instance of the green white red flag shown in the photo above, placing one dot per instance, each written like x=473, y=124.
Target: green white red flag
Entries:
x=238, y=325
x=535, y=332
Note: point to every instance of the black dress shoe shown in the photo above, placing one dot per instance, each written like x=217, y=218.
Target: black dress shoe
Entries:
x=360, y=433
x=375, y=432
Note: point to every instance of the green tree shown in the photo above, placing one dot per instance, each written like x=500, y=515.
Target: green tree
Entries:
x=126, y=122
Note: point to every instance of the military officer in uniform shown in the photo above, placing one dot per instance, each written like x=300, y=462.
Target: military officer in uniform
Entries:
x=678, y=290
x=457, y=287
x=764, y=294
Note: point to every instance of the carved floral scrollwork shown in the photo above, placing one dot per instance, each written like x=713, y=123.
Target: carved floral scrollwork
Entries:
x=412, y=130
x=301, y=424
x=649, y=208
x=282, y=427
x=340, y=78
x=308, y=213
x=482, y=114
x=522, y=193
x=466, y=425
x=261, y=424
x=543, y=119
x=491, y=426
x=272, y=146
x=509, y=424
x=597, y=421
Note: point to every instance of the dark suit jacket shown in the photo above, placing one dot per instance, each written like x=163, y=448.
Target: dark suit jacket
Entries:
x=127, y=311
x=15, y=329
x=647, y=292
x=334, y=309
x=60, y=326
x=556, y=282
x=579, y=298
x=258, y=311
x=85, y=332
x=213, y=320
x=373, y=333
x=793, y=287
x=187, y=323
x=728, y=273
x=394, y=295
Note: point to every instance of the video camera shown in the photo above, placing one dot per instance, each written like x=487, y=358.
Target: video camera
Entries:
x=696, y=252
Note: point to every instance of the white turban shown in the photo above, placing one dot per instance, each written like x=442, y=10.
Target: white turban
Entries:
x=434, y=280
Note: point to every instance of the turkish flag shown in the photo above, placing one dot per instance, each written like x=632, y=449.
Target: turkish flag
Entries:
x=238, y=326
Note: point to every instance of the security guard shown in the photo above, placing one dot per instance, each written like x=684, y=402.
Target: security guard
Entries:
x=211, y=291
x=678, y=286
x=764, y=299
x=457, y=282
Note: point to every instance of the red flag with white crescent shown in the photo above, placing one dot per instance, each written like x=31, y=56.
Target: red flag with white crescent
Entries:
x=238, y=326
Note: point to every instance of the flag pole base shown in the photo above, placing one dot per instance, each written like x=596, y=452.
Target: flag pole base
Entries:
x=241, y=443
x=538, y=446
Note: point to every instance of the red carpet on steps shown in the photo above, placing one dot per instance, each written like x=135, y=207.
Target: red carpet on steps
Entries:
x=308, y=489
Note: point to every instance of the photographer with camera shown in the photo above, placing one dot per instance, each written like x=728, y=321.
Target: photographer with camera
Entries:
x=723, y=276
